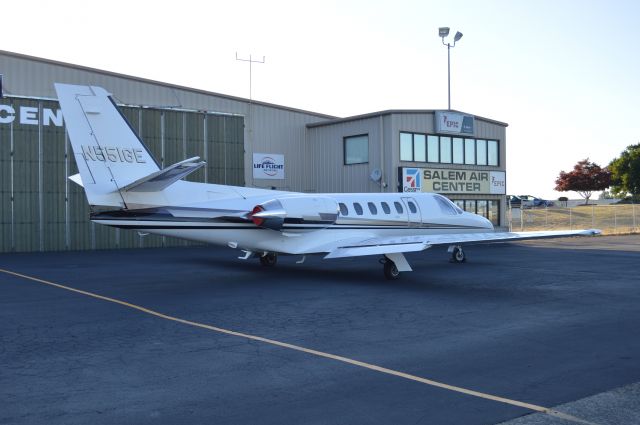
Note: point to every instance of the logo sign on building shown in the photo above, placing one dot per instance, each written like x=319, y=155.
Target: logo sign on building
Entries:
x=268, y=166
x=452, y=122
x=450, y=181
x=411, y=180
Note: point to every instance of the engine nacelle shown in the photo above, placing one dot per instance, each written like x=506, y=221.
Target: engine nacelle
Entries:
x=310, y=212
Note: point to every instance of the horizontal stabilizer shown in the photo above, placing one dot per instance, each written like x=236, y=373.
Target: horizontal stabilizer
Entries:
x=164, y=178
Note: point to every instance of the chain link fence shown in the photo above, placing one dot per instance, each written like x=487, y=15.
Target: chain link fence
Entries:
x=611, y=219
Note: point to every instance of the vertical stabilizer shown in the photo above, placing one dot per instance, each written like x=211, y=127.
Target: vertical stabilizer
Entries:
x=107, y=151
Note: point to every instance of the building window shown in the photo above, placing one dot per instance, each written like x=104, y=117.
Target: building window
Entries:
x=469, y=151
x=488, y=208
x=493, y=152
x=406, y=147
x=356, y=149
x=458, y=151
x=481, y=152
x=416, y=147
x=445, y=150
x=432, y=149
x=420, y=148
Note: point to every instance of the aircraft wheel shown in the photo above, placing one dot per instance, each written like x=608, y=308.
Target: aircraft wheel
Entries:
x=269, y=259
x=458, y=255
x=391, y=270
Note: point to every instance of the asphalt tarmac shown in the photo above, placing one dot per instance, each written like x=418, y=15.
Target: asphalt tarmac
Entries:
x=543, y=323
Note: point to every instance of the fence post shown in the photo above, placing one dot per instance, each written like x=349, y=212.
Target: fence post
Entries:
x=570, y=220
x=546, y=217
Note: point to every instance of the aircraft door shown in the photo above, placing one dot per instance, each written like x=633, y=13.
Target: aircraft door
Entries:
x=413, y=211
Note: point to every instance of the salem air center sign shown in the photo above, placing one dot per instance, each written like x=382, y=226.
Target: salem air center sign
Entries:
x=449, y=181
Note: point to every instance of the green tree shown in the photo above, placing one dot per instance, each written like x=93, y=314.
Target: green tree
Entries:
x=625, y=173
x=585, y=177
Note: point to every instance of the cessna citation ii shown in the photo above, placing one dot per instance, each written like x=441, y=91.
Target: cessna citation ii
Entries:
x=127, y=188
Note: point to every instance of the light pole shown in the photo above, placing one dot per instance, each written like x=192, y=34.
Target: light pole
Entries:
x=443, y=32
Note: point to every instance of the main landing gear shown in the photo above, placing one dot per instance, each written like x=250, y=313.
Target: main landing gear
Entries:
x=390, y=269
x=269, y=259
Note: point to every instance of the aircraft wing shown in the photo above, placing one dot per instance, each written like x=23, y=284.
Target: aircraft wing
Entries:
x=390, y=245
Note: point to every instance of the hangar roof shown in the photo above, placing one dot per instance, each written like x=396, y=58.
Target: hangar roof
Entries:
x=398, y=111
x=157, y=83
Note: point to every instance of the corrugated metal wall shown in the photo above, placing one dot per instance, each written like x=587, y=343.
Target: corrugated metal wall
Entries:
x=269, y=128
x=41, y=210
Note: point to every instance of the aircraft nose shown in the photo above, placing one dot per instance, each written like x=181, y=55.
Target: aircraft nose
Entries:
x=483, y=222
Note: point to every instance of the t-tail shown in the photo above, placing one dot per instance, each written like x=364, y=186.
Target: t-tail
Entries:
x=111, y=158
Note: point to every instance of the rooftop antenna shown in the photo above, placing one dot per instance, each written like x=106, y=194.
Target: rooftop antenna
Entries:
x=251, y=62
x=249, y=118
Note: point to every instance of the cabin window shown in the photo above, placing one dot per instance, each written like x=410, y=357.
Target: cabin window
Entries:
x=372, y=208
x=343, y=209
x=412, y=207
x=398, y=207
x=358, y=208
x=385, y=208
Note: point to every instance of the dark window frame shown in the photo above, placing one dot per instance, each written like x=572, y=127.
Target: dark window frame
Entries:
x=452, y=139
x=344, y=148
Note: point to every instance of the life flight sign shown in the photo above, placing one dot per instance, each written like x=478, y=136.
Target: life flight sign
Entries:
x=452, y=181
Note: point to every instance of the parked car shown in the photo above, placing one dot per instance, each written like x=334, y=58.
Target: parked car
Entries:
x=528, y=201
x=514, y=201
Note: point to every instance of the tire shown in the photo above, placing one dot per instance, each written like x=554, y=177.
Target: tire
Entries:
x=391, y=270
x=269, y=259
x=458, y=255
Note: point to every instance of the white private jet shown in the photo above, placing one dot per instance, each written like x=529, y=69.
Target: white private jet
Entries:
x=126, y=188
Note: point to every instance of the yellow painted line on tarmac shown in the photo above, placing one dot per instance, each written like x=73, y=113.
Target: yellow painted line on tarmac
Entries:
x=347, y=360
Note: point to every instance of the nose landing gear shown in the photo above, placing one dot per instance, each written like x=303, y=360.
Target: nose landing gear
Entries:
x=457, y=254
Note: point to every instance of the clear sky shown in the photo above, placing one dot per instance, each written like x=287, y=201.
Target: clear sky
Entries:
x=563, y=74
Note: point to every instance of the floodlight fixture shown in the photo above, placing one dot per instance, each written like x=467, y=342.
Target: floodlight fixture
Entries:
x=444, y=32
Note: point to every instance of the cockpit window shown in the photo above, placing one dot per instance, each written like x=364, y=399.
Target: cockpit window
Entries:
x=446, y=206
x=343, y=209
